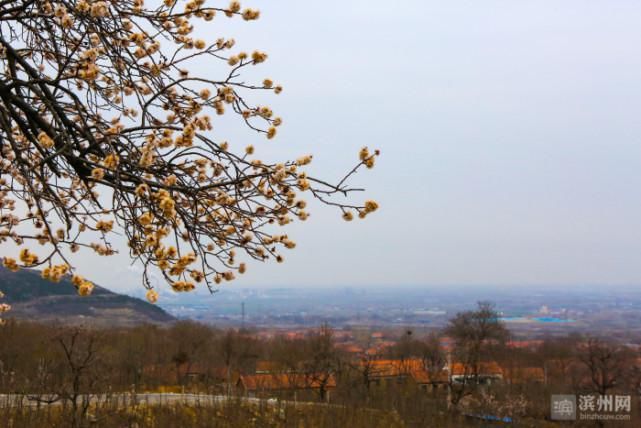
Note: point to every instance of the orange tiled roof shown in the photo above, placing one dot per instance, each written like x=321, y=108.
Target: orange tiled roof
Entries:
x=485, y=368
x=392, y=367
x=412, y=367
x=284, y=381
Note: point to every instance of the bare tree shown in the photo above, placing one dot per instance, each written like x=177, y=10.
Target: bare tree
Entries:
x=235, y=349
x=406, y=347
x=432, y=355
x=476, y=333
x=366, y=367
x=557, y=356
x=607, y=364
x=428, y=350
x=322, y=360
x=106, y=127
x=189, y=340
x=81, y=376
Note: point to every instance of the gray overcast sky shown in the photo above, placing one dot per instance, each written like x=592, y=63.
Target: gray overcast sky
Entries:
x=510, y=135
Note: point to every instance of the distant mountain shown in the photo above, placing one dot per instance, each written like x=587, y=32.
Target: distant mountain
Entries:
x=34, y=298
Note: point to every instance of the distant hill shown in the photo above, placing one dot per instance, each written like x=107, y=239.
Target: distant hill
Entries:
x=37, y=299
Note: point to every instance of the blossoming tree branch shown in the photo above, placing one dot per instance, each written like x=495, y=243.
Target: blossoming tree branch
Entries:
x=104, y=130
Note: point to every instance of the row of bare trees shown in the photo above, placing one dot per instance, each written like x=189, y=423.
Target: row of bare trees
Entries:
x=68, y=365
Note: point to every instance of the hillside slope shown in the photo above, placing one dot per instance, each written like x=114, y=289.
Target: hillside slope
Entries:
x=34, y=298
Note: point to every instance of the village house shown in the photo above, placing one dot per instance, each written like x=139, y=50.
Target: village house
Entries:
x=484, y=373
x=380, y=372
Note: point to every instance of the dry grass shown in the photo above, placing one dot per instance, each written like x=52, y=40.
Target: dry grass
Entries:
x=233, y=413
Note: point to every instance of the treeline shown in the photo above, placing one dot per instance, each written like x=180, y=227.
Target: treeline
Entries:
x=470, y=368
